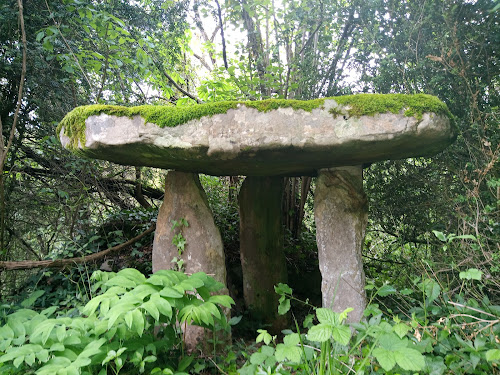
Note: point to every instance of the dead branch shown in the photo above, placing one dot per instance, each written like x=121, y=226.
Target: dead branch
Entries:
x=61, y=263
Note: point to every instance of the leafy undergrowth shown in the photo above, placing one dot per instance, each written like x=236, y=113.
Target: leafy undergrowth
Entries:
x=439, y=335
x=131, y=325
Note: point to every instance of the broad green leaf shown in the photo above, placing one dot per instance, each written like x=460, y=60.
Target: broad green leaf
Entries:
x=292, y=353
x=61, y=332
x=284, y=305
x=320, y=332
x=57, y=347
x=43, y=331
x=212, y=309
x=392, y=342
x=258, y=358
x=32, y=298
x=471, y=274
x=341, y=334
x=152, y=310
x=191, y=284
x=493, y=355
x=53, y=366
x=222, y=300
x=171, y=293
x=144, y=290
x=385, y=358
x=263, y=336
x=17, y=327
x=185, y=362
x=282, y=289
x=40, y=35
x=122, y=281
x=6, y=336
x=162, y=305
x=117, y=311
x=91, y=349
x=105, y=306
x=138, y=321
x=291, y=340
x=440, y=236
x=431, y=289
x=30, y=359
x=128, y=319
x=409, y=359
x=386, y=290
x=72, y=339
x=401, y=329
x=92, y=305
x=235, y=320
x=43, y=355
x=18, y=361
x=327, y=316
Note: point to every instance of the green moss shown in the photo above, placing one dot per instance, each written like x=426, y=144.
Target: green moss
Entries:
x=170, y=116
x=271, y=104
x=413, y=105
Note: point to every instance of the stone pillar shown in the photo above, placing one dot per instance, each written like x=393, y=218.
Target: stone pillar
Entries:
x=185, y=198
x=341, y=215
x=261, y=247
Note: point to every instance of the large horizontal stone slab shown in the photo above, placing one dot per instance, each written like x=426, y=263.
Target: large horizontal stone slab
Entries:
x=272, y=137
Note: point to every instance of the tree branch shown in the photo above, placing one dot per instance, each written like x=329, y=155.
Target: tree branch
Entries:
x=61, y=263
x=219, y=14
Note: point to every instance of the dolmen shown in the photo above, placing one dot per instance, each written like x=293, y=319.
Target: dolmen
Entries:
x=266, y=140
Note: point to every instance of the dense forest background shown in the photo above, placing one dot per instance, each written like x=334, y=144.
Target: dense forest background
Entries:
x=432, y=218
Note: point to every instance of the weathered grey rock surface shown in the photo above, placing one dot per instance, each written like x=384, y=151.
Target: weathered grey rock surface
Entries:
x=283, y=141
x=341, y=215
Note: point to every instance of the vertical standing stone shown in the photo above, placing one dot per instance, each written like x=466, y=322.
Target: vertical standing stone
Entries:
x=340, y=212
x=185, y=198
x=261, y=247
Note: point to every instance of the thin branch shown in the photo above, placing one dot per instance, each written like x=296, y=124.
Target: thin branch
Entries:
x=5, y=149
x=61, y=263
x=24, y=243
x=224, y=55
x=203, y=62
x=106, y=64
x=472, y=308
x=67, y=45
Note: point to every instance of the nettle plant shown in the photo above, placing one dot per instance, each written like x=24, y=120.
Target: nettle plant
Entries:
x=133, y=323
x=438, y=336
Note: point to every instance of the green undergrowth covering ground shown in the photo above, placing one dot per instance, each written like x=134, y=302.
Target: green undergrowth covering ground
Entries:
x=170, y=116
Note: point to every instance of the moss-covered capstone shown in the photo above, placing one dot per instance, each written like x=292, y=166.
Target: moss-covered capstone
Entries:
x=260, y=137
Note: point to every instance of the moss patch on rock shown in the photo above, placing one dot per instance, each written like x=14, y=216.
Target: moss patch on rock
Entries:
x=171, y=116
x=412, y=105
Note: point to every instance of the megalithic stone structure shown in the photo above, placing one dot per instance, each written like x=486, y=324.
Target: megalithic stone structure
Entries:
x=341, y=215
x=185, y=199
x=329, y=138
x=262, y=247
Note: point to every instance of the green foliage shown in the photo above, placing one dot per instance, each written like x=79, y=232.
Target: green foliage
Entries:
x=440, y=337
x=130, y=323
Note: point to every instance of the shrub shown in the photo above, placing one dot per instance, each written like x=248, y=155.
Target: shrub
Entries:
x=132, y=322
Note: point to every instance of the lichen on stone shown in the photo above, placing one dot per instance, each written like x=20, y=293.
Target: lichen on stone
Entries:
x=171, y=116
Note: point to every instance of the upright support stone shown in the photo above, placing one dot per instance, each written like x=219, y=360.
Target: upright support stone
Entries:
x=186, y=199
x=341, y=215
x=261, y=247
